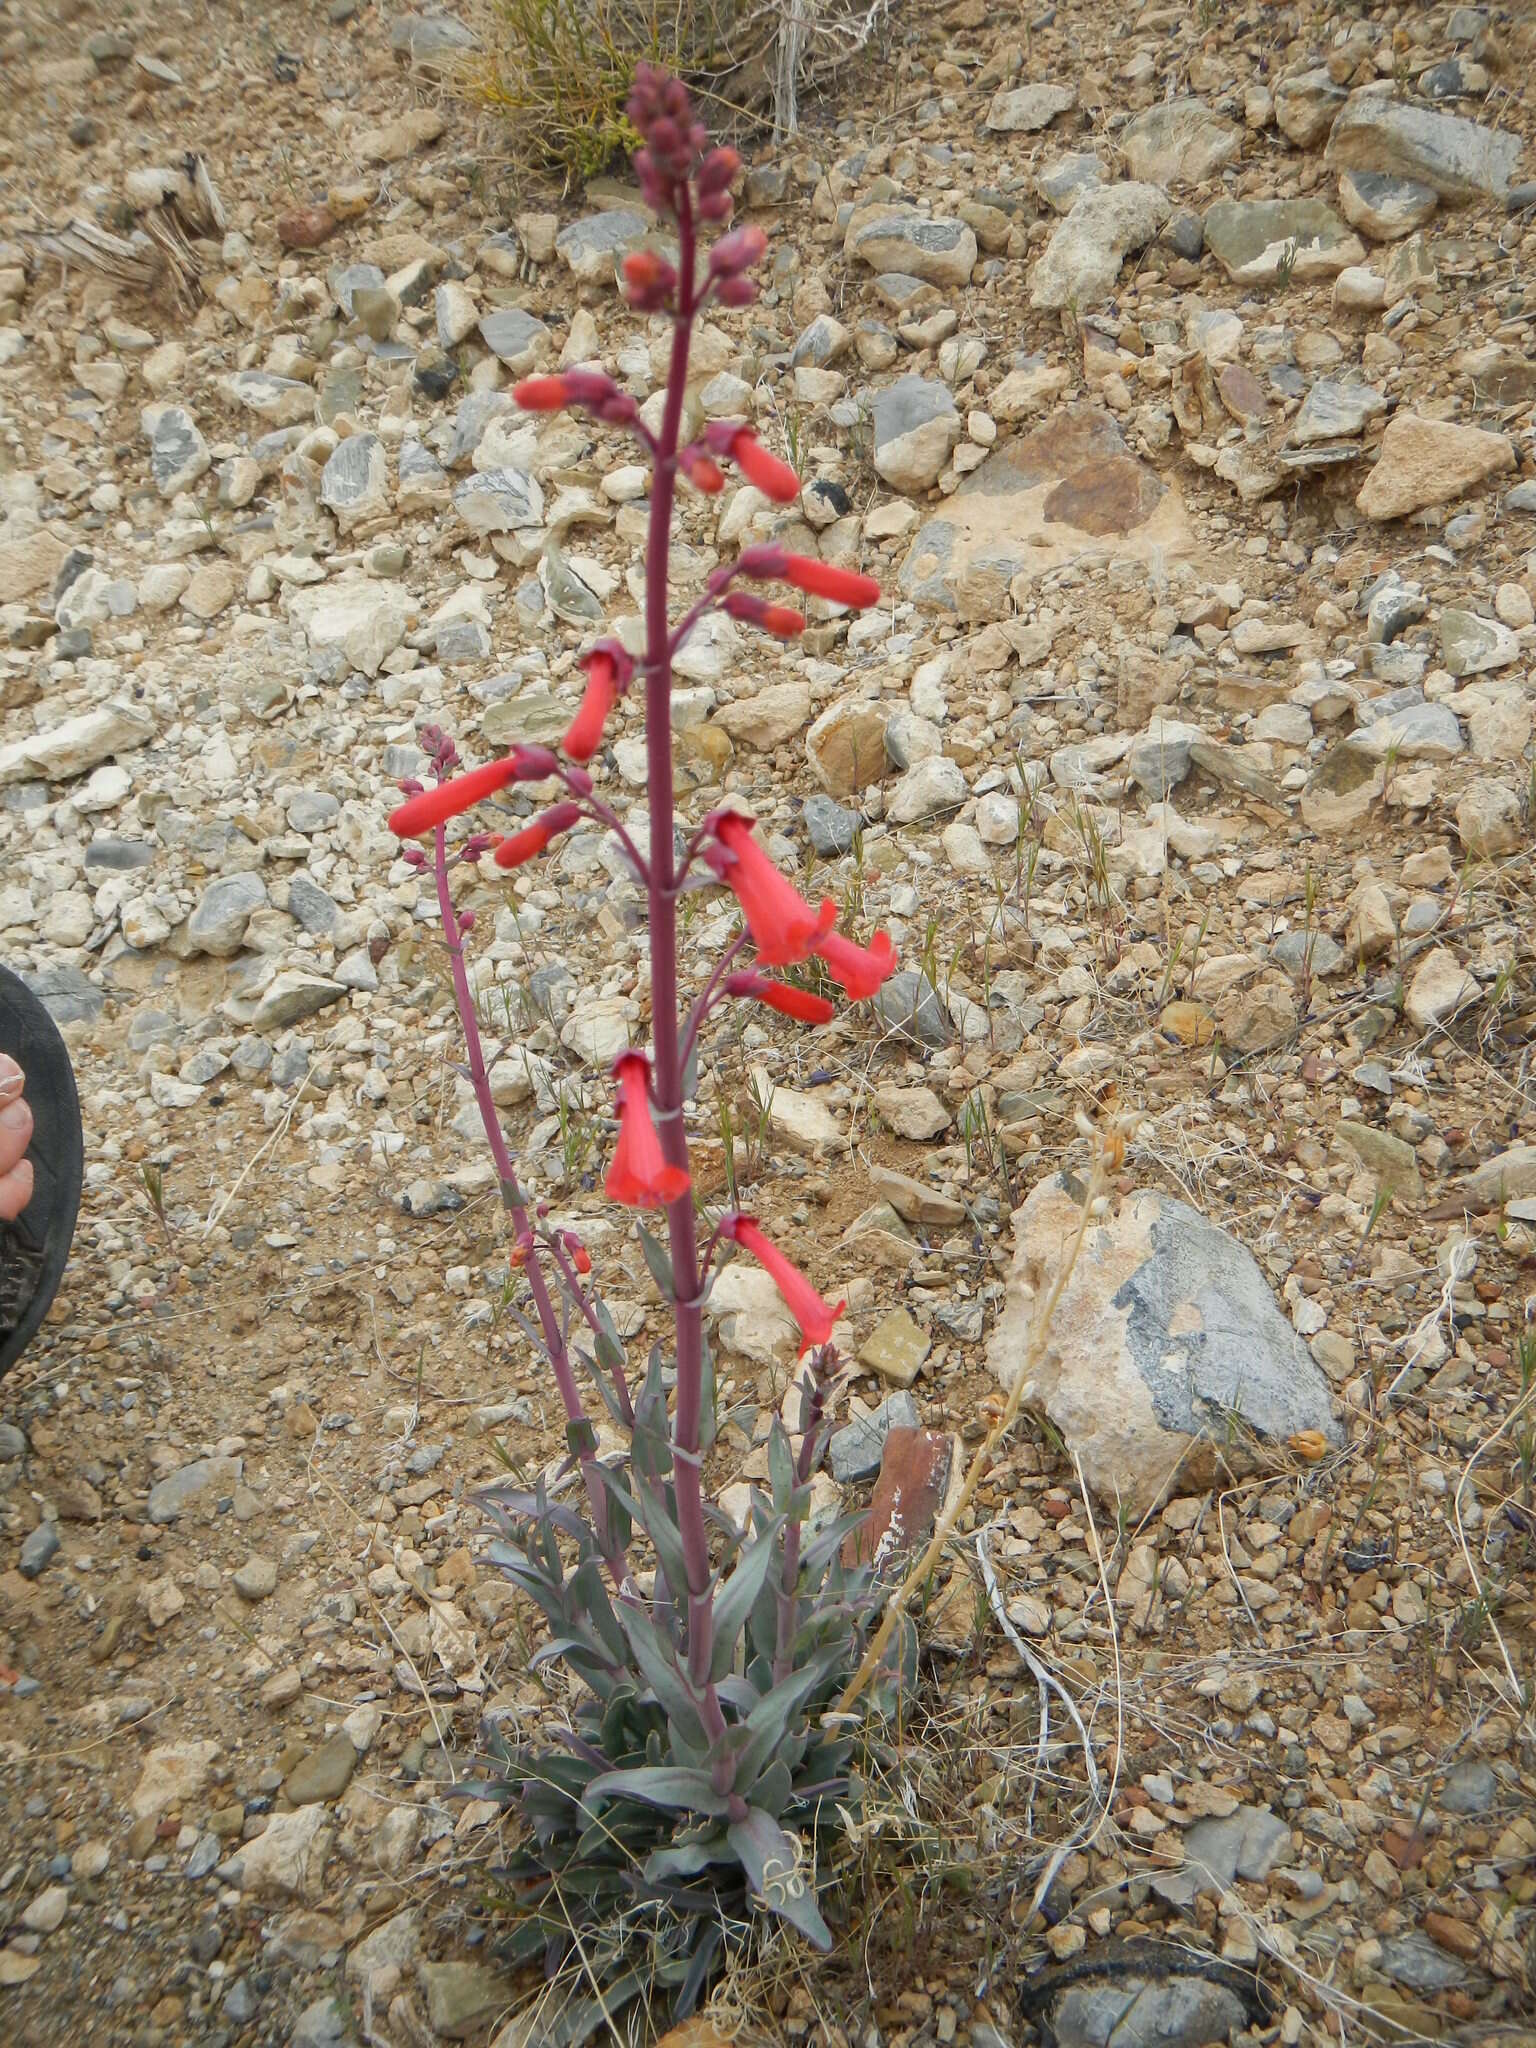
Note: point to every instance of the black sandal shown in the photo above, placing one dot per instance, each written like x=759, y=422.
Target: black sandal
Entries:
x=34, y=1249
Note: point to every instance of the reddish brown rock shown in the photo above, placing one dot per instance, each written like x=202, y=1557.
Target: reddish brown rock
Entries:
x=914, y=1472
x=306, y=227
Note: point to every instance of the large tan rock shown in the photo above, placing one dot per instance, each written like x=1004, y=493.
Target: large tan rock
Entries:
x=846, y=746
x=1167, y=1358
x=1428, y=462
x=28, y=564
x=1071, y=491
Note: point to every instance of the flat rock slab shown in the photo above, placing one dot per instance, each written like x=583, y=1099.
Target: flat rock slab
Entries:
x=1070, y=491
x=1167, y=1354
x=1459, y=159
x=1026, y=109
x=1424, y=462
x=1266, y=241
x=1179, y=142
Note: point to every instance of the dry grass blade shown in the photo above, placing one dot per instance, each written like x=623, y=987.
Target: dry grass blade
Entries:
x=561, y=69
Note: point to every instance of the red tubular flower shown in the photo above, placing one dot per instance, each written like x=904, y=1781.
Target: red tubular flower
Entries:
x=816, y=1318
x=775, y=479
x=420, y=814
x=541, y=394
x=702, y=471
x=858, y=970
x=586, y=728
x=798, y=1003
x=639, y=1175
x=518, y=847
x=777, y=619
x=783, y=925
x=825, y=579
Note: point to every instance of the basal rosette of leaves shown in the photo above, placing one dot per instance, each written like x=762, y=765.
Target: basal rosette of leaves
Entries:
x=702, y=1761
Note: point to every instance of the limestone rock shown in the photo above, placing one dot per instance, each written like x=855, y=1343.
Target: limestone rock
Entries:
x=356, y=617
x=899, y=238
x=1082, y=260
x=846, y=746
x=28, y=563
x=1180, y=141
x=1306, y=105
x=1489, y=819
x=355, y=481
x=591, y=248
x=287, y=1860
x=1026, y=109
x=76, y=745
x=171, y=1776
x=1167, y=1356
x=1439, y=988
x=769, y=716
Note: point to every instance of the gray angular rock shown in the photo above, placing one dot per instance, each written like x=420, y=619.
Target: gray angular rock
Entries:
x=899, y=238
x=515, y=338
x=310, y=906
x=281, y=401
x=430, y=43
x=908, y=1004
x=40, y=1546
x=65, y=993
x=1384, y=207
x=929, y=786
x=498, y=501
x=1459, y=159
x=1246, y=1844
x=829, y=825
x=293, y=995
x=1168, y=1353
x=1417, y=1962
x=855, y=1450
x=916, y=427
x=1062, y=183
x=590, y=248
x=355, y=481
x=1470, y=1788
x=327, y=2023
x=1470, y=644
x=1081, y=262
x=178, y=454
x=1333, y=410
x=225, y=908
x=177, y=1491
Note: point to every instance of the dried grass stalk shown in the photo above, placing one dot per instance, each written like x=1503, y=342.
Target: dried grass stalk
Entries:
x=561, y=69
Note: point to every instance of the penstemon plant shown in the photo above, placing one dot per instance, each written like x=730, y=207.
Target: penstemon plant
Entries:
x=687, y=1792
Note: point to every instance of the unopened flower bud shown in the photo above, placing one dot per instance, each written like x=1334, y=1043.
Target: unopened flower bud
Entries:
x=736, y=291
x=738, y=250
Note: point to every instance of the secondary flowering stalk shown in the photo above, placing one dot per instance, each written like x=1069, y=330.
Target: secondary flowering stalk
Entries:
x=578, y=1428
